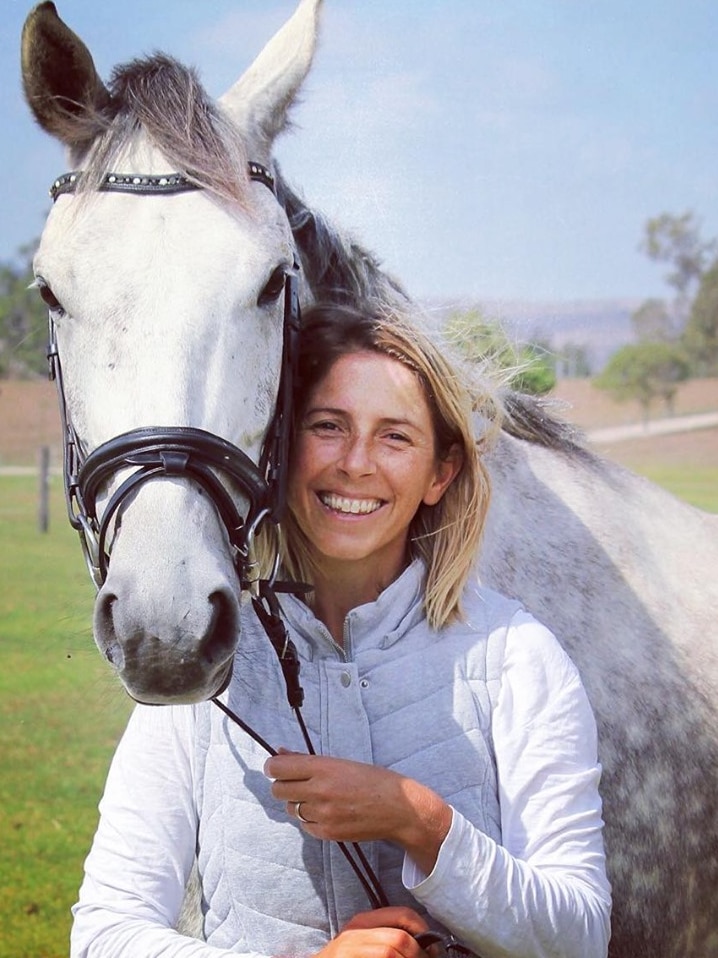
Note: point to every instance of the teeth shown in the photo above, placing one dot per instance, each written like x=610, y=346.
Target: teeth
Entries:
x=357, y=507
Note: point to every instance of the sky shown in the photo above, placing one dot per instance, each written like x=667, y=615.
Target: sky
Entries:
x=508, y=150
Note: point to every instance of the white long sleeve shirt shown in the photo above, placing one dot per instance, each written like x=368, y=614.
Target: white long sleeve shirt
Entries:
x=490, y=713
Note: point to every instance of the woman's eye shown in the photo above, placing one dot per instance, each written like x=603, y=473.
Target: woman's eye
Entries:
x=48, y=297
x=323, y=427
x=273, y=287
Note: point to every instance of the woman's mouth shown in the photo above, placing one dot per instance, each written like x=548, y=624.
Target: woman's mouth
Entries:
x=354, y=507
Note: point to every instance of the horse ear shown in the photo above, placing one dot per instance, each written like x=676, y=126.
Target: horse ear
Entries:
x=58, y=75
x=259, y=101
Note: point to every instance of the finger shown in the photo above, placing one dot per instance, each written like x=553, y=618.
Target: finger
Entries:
x=288, y=766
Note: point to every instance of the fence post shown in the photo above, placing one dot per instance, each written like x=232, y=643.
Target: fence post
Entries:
x=44, y=508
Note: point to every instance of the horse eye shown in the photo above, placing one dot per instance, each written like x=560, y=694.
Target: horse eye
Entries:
x=273, y=287
x=48, y=297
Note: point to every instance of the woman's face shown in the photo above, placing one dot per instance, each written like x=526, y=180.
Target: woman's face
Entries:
x=364, y=461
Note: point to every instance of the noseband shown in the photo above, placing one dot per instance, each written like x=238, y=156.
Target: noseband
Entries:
x=178, y=451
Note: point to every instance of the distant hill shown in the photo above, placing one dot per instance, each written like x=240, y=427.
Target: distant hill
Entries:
x=599, y=326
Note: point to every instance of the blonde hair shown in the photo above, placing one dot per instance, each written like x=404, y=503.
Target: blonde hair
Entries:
x=446, y=536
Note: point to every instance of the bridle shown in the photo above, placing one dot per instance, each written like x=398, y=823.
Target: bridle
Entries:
x=181, y=451
x=178, y=451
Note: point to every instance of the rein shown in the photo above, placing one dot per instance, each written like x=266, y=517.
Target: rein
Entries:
x=269, y=614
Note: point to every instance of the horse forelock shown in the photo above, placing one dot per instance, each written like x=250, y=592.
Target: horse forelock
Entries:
x=161, y=98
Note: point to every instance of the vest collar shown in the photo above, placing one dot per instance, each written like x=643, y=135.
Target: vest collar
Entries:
x=377, y=624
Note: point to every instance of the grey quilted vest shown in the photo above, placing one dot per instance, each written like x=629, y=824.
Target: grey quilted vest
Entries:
x=398, y=695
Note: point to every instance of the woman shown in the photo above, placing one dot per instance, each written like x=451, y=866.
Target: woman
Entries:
x=455, y=736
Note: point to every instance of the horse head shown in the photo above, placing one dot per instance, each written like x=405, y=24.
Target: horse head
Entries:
x=163, y=263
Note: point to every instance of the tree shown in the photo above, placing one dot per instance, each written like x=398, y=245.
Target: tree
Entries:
x=482, y=340
x=645, y=371
x=23, y=320
x=700, y=336
x=536, y=374
x=677, y=240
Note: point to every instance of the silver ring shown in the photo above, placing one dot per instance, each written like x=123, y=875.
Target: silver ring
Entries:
x=297, y=812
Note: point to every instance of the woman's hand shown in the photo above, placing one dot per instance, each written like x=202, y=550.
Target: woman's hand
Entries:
x=340, y=800
x=381, y=933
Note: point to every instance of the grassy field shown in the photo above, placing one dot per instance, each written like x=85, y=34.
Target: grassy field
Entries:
x=60, y=717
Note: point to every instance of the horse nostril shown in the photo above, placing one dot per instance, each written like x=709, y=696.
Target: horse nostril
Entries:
x=105, y=630
x=113, y=654
x=220, y=637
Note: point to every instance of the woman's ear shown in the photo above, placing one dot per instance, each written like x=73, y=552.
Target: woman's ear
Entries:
x=446, y=471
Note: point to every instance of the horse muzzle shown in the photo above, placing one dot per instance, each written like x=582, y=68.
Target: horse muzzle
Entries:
x=187, y=655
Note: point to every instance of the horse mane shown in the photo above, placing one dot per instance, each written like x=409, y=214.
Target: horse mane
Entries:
x=163, y=99
x=340, y=270
x=531, y=418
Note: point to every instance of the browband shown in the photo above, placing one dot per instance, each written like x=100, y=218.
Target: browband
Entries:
x=162, y=185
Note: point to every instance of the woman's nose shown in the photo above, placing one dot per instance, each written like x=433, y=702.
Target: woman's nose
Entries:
x=357, y=458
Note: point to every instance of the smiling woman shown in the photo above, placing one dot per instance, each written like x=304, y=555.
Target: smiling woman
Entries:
x=378, y=445
x=485, y=819
x=382, y=405
x=364, y=463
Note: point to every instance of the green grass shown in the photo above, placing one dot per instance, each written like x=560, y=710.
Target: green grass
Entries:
x=60, y=716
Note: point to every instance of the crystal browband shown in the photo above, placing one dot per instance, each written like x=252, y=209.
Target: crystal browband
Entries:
x=165, y=184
